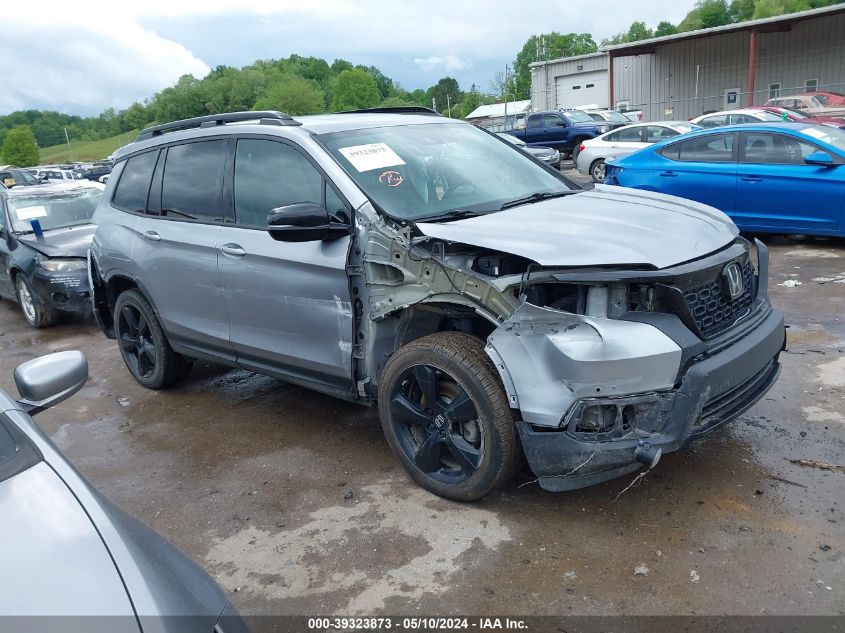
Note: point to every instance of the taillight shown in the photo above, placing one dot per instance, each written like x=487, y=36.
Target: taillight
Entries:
x=581, y=149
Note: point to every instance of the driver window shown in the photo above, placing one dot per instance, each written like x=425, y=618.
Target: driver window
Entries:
x=269, y=174
x=775, y=149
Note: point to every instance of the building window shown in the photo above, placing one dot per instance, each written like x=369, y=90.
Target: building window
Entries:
x=590, y=85
x=774, y=91
x=811, y=85
x=576, y=87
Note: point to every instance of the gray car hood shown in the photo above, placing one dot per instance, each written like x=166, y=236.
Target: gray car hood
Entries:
x=606, y=226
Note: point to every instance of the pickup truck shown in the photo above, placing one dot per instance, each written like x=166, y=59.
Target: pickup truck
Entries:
x=563, y=130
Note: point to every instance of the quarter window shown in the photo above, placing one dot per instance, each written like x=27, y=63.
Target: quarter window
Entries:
x=269, y=174
x=192, y=185
x=131, y=191
x=716, y=148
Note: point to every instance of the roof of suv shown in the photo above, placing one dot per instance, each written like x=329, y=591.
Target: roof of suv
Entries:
x=312, y=124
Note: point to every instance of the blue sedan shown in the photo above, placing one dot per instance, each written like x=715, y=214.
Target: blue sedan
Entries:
x=768, y=177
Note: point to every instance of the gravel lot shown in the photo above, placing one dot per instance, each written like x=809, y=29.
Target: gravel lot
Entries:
x=292, y=501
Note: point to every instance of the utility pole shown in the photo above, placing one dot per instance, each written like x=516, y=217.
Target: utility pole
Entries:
x=506, y=96
x=449, y=105
x=69, y=150
x=434, y=104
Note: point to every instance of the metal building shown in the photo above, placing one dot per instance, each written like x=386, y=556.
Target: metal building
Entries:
x=498, y=117
x=570, y=82
x=684, y=75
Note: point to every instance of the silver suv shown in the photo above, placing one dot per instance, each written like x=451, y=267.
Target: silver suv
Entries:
x=487, y=305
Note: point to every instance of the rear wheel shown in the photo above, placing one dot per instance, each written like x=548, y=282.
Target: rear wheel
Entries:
x=597, y=170
x=143, y=344
x=446, y=416
x=35, y=314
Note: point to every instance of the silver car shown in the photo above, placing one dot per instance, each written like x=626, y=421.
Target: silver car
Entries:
x=484, y=303
x=595, y=152
x=72, y=561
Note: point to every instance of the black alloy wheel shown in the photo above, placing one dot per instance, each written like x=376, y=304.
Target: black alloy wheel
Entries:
x=436, y=424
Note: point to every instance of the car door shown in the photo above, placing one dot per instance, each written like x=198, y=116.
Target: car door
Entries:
x=625, y=141
x=553, y=132
x=289, y=303
x=701, y=168
x=777, y=191
x=6, y=285
x=176, y=246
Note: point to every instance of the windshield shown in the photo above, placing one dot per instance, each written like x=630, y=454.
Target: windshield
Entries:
x=576, y=116
x=615, y=116
x=415, y=172
x=53, y=210
x=827, y=134
x=12, y=177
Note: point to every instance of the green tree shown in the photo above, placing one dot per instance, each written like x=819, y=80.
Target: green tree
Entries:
x=20, y=148
x=353, y=89
x=706, y=14
x=439, y=91
x=741, y=10
x=665, y=28
x=136, y=116
x=637, y=31
x=548, y=46
x=294, y=95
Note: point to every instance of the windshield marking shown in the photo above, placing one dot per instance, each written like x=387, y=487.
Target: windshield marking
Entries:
x=28, y=213
x=371, y=156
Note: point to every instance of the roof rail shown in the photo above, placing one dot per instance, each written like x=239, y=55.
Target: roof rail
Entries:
x=264, y=117
x=393, y=110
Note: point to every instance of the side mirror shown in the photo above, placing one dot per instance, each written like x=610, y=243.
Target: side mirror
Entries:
x=48, y=380
x=304, y=222
x=822, y=159
x=561, y=123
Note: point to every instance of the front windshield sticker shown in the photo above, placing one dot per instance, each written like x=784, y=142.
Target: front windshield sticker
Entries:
x=371, y=156
x=9, y=182
x=391, y=178
x=28, y=213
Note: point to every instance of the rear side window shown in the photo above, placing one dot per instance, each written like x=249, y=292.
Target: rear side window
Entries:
x=192, y=185
x=655, y=133
x=269, y=174
x=534, y=122
x=715, y=148
x=629, y=135
x=714, y=121
x=131, y=191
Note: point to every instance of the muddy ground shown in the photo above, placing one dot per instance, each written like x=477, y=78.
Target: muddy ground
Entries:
x=292, y=501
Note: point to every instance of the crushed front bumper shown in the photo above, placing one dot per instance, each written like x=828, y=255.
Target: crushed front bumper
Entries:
x=709, y=393
x=65, y=291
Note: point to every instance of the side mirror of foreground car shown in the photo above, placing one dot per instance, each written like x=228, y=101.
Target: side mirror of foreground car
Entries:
x=822, y=159
x=304, y=222
x=48, y=380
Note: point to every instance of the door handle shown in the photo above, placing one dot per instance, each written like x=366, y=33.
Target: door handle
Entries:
x=668, y=174
x=151, y=236
x=750, y=178
x=233, y=250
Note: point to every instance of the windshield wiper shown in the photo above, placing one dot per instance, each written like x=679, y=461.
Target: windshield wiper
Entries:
x=535, y=197
x=455, y=214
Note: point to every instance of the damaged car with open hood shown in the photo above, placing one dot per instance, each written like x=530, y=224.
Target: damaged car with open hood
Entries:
x=489, y=307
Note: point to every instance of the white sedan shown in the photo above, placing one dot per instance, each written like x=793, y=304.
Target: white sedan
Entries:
x=594, y=152
x=735, y=117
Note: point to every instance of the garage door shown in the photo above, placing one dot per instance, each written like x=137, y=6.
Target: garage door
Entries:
x=582, y=89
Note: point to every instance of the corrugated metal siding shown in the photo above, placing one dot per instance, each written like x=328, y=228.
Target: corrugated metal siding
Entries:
x=663, y=83
x=543, y=78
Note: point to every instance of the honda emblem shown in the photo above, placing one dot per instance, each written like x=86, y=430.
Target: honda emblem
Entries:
x=734, y=284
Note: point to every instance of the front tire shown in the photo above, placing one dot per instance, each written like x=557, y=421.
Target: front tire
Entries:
x=597, y=170
x=36, y=315
x=446, y=416
x=143, y=344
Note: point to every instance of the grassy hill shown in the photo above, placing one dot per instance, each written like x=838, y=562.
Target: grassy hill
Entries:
x=85, y=150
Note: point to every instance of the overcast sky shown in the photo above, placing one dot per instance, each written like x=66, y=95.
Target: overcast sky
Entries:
x=82, y=58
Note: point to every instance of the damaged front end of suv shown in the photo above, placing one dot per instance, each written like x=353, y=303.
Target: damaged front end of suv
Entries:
x=605, y=366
